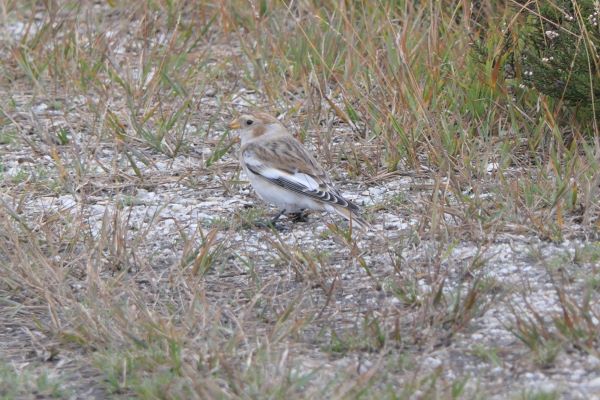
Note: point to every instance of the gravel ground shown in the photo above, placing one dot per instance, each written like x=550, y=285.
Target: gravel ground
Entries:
x=177, y=198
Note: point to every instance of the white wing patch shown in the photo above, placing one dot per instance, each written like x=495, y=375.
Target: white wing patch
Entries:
x=298, y=178
x=297, y=182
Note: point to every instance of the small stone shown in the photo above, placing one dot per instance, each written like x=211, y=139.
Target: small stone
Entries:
x=593, y=384
x=492, y=167
x=39, y=108
x=432, y=362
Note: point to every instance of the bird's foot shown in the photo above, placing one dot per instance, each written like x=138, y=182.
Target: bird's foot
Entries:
x=300, y=216
x=272, y=223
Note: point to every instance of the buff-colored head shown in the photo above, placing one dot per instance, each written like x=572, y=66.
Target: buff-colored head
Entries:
x=253, y=126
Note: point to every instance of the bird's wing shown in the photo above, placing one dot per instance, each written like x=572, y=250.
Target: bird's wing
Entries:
x=289, y=166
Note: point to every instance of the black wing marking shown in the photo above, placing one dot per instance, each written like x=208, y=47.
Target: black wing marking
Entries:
x=327, y=195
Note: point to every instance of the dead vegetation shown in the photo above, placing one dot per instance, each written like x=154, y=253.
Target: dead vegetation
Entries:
x=127, y=267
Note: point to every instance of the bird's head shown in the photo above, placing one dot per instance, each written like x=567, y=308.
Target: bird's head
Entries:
x=253, y=126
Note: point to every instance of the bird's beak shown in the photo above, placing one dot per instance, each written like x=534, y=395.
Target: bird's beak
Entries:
x=235, y=124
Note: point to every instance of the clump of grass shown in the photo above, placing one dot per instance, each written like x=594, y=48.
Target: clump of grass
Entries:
x=573, y=328
x=253, y=216
x=15, y=384
x=532, y=394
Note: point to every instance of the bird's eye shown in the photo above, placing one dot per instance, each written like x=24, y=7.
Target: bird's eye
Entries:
x=249, y=122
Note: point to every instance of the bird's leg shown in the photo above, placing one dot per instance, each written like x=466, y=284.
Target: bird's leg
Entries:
x=276, y=217
x=270, y=223
x=300, y=216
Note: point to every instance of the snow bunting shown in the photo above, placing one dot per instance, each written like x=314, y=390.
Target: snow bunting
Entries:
x=283, y=173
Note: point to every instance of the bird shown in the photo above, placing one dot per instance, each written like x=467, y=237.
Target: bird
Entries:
x=283, y=173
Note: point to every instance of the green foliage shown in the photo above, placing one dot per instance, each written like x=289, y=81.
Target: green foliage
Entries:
x=29, y=383
x=558, y=50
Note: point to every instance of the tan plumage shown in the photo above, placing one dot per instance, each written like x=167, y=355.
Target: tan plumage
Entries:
x=283, y=173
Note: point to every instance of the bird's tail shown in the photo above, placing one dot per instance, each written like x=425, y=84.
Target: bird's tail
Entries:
x=353, y=218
